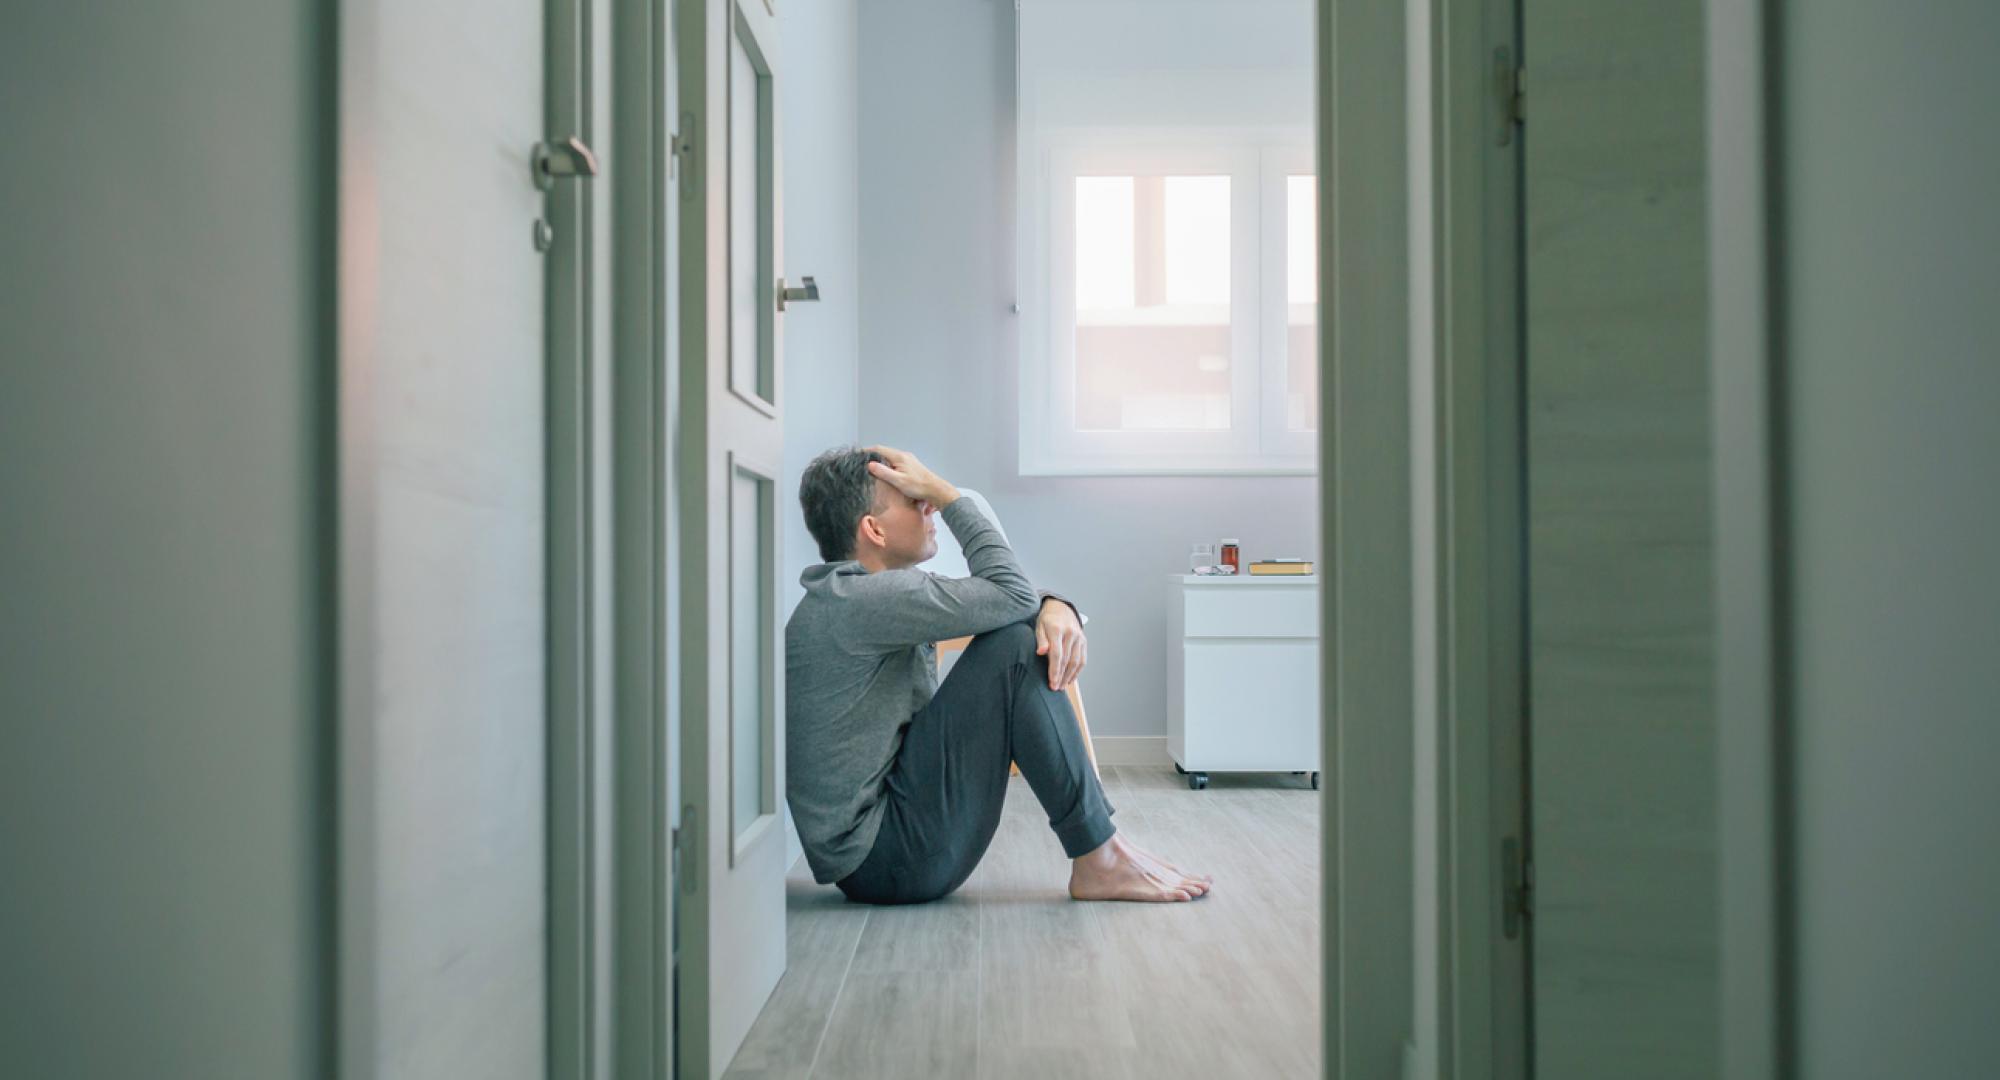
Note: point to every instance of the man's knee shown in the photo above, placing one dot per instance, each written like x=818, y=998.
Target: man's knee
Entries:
x=1013, y=642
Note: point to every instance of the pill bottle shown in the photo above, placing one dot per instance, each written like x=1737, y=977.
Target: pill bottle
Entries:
x=1232, y=555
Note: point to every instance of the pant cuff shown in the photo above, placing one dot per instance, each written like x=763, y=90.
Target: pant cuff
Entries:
x=1083, y=837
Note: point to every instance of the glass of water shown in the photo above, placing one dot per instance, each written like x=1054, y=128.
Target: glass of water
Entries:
x=1203, y=555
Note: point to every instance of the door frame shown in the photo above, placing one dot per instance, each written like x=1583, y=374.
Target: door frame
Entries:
x=1366, y=627
x=575, y=690
x=1420, y=275
x=1482, y=979
x=1484, y=1006
x=354, y=940
x=1753, y=634
x=644, y=546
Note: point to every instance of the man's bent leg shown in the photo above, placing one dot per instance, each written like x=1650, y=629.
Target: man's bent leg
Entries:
x=1047, y=743
x=949, y=782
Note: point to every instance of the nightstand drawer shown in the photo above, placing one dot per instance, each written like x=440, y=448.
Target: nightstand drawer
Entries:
x=1251, y=610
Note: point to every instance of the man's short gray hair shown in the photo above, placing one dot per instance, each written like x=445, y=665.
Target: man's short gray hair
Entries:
x=836, y=492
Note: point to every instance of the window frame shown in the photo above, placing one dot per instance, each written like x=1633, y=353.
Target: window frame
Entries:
x=1278, y=165
x=1256, y=442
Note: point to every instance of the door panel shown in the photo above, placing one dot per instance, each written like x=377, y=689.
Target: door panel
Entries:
x=733, y=918
x=752, y=654
x=1621, y=740
x=460, y=620
x=751, y=368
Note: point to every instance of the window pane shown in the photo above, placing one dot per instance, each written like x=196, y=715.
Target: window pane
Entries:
x=1197, y=240
x=750, y=639
x=1103, y=242
x=750, y=368
x=1301, y=227
x=1302, y=304
x=1153, y=306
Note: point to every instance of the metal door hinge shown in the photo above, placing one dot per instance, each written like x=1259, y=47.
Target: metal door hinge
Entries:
x=1508, y=92
x=1517, y=888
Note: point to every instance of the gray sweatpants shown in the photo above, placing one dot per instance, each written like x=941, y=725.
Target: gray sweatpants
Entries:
x=949, y=780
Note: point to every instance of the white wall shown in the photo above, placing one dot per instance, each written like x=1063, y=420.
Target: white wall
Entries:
x=939, y=353
x=818, y=123
x=819, y=128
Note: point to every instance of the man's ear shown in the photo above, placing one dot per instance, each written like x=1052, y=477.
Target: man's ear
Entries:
x=870, y=531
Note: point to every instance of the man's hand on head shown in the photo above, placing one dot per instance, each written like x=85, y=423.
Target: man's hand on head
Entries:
x=1059, y=636
x=908, y=475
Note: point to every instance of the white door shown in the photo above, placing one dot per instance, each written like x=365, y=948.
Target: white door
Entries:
x=459, y=641
x=732, y=924
x=1621, y=740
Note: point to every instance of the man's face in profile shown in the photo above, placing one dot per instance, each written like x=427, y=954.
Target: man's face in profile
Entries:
x=909, y=527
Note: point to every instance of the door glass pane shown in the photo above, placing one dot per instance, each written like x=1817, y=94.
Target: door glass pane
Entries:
x=750, y=369
x=1301, y=303
x=750, y=642
x=1153, y=284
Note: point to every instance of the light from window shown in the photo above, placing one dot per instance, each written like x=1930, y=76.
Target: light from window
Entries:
x=1301, y=223
x=1197, y=240
x=1179, y=327
x=1152, y=264
x=1103, y=243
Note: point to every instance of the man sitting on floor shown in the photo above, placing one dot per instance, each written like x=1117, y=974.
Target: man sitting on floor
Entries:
x=895, y=781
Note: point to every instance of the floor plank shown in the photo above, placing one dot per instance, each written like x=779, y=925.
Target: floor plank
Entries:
x=821, y=932
x=903, y=1024
x=939, y=936
x=1009, y=977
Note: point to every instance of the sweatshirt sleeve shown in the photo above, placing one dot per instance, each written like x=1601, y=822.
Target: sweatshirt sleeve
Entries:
x=900, y=608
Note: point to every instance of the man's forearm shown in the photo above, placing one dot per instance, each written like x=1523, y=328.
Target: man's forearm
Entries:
x=987, y=555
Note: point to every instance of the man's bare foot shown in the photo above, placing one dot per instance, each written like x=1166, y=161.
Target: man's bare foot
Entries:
x=1168, y=870
x=1119, y=871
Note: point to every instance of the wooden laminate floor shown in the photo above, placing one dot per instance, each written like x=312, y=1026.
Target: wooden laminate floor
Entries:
x=1009, y=977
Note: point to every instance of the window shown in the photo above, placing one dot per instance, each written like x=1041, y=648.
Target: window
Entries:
x=1164, y=241
x=1176, y=283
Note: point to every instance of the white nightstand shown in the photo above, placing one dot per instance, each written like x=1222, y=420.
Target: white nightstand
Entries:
x=1243, y=675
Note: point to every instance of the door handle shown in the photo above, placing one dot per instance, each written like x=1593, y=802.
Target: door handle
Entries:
x=563, y=160
x=806, y=291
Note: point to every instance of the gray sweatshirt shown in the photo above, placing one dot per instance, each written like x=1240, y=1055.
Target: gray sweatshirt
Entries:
x=860, y=661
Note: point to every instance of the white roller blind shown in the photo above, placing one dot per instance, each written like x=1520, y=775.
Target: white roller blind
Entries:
x=1176, y=63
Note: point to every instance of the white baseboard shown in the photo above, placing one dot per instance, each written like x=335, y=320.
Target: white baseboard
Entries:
x=1131, y=749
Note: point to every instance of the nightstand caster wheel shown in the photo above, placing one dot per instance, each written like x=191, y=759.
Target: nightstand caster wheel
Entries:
x=1315, y=781
x=1178, y=769
x=1197, y=780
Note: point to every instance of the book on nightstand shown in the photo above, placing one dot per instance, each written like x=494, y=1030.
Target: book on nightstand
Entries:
x=1281, y=568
